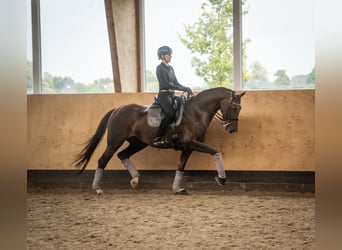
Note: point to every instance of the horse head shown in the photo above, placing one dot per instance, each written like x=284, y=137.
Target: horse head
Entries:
x=230, y=109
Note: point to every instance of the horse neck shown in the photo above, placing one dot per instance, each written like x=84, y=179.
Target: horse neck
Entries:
x=208, y=101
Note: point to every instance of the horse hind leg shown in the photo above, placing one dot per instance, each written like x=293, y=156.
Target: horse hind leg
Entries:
x=178, y=183
x=102, y=163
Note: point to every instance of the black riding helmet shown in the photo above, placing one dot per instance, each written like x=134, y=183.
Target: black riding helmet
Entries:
x=164, y=50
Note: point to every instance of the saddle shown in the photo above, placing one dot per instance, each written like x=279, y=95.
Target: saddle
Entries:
x=155, y=113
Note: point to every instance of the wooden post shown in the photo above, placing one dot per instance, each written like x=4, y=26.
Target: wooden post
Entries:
x=138, y=42
x=113, y=46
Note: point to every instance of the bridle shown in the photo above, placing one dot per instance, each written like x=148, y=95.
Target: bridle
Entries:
x=226, y=122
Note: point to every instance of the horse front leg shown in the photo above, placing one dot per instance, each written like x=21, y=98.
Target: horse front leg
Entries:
x=132, y=171
x=178, y=182
x=201, y=147
x=135, y=146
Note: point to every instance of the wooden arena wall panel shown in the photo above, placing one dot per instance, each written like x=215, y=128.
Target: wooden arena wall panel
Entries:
x=276, y=133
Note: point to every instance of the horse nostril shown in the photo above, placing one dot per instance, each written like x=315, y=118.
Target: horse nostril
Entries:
x=229, y=127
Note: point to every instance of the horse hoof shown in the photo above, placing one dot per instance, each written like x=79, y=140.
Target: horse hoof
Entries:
x=134, y=182
x=99, y=191
x=220, y=181
x=182, y=192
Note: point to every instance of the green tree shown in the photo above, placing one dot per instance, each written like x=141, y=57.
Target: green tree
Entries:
x=310, y=80
x=60, y=83
x=65, y=84
x=299, y=81
x=29, y=77
x=56, y=84
x=47, y=83
x=80, y=88
x=257, y=77
x=104, y=85
x=210, y=40
x=151, y=82
x=281, y=78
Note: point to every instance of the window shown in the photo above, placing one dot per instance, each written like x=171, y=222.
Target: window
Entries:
x=277, y=49
x=75, y=54
x=280, y=52
x=164, y=21
x=277, y=43
x=29, y=69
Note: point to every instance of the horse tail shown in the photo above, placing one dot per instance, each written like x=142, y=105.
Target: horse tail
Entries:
x=84, y=156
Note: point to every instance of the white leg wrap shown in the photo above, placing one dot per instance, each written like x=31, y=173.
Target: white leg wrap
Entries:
x=219, y=165
x=97, y=178
x=177, y=183
x=131, y=168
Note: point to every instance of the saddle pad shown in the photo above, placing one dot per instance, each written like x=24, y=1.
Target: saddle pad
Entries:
x=154, y=116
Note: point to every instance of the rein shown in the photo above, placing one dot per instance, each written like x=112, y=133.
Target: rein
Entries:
x=222, y=121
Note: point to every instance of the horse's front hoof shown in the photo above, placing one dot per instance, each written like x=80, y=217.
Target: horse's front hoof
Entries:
x=182, y=192
x=220, y=181
x=99, y=191
x=134, y=182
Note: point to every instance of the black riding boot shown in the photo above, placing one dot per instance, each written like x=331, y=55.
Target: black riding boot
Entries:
x=160, y=141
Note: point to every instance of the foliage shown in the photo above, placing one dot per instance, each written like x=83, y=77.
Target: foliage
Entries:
x=282, y=79
x=65, y=84
x=257, y=78
x=210, y=40
x=151, y=82
x=29, y=77
x=57, y=84
x=311, y=77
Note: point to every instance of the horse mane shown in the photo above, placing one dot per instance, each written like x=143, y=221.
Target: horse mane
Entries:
x=215, y=89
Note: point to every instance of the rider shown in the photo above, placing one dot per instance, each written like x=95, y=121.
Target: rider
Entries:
x=168, y=83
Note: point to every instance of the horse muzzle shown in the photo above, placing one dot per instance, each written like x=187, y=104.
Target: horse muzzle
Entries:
x=230, y=128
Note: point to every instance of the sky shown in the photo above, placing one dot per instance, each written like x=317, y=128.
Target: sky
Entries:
x=281, y=33
x=163, y=21
x=74, y=39
x=283, y=38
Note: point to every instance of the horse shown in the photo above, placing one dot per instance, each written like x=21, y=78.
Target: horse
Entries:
x=130, y=123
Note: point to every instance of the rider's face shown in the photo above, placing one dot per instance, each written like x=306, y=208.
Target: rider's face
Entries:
x=167, y=58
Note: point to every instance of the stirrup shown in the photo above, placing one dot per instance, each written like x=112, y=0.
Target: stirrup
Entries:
x=158, y=142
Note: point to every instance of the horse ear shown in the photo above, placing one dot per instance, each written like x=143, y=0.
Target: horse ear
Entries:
x=242, y=94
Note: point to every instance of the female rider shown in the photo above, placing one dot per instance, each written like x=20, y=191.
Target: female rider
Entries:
x=168, y=83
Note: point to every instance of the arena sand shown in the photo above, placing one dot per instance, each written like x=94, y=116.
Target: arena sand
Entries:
x=157, y=219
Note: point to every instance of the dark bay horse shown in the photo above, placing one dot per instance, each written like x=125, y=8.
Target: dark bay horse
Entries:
x=130, y=123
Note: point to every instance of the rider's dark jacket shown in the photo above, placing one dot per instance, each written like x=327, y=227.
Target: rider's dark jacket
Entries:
x=167, y=83
x=167, y=78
